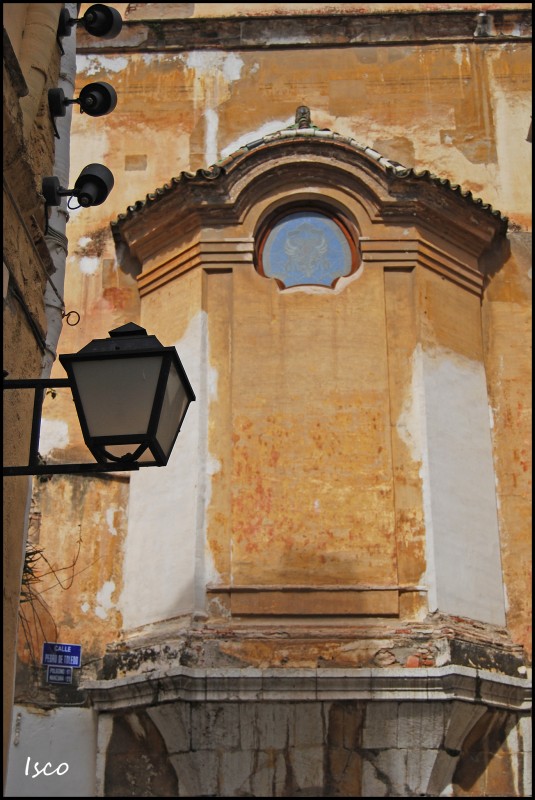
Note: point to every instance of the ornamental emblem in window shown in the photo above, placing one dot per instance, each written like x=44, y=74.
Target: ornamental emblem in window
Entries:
x=306, y=247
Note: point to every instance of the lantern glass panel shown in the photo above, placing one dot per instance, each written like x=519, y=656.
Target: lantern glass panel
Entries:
x=117, y=394
x=174, y=407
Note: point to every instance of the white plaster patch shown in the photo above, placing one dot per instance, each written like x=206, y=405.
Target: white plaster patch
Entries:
x=505, y=598
x=232, y=67
x=83, y=241
x=212, y=465
x=269, y=127
x=208, y=62
x=88, y=265
x=165, y=575
x=85, y=607
x=54, y=435
x=110, y=515
x=104, y=600
x=214, y=71
x=286, y=41
x=91, y=65
x=210, y=137
x=458, y=470
x=459, y=51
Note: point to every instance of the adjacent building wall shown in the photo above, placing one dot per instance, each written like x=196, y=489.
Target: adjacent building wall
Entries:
x=31, y=60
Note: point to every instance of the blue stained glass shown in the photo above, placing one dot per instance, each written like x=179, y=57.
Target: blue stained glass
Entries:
x=306, y=247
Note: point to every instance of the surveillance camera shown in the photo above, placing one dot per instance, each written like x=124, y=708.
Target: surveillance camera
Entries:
x=98, y=20
x=93, y=185
x=102, y=21
x=97, y=99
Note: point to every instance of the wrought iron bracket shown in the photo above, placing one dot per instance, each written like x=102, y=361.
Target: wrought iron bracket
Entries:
x=35, y=466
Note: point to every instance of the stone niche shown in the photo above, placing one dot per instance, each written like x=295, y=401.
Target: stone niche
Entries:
x=342, y=463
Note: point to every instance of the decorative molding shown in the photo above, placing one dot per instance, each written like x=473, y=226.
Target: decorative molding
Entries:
x=314, y=601
x=409, y=253
x=317, y=601
x=325, y=29
x=210, y=255
x=310, y=685
x=278, y=166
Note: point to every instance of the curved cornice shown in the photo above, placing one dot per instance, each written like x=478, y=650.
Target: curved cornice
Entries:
x=398, y=180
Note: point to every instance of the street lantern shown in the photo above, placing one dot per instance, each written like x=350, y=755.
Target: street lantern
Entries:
x=131, y=394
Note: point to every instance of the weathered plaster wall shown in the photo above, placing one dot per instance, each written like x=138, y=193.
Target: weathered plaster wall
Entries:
x=197, y=102
x=306, y=454
x=507, y=328
x=81, y=583
x=460, y=108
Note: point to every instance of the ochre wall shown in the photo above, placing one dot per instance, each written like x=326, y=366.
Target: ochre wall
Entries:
x=460, y=110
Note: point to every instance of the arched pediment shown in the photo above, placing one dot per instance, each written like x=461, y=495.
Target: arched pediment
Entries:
x=303, y=162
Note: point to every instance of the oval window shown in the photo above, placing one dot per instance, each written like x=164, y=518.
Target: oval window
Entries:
x=306, y=247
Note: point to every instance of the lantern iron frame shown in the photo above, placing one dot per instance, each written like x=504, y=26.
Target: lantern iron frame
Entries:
x=96, y=445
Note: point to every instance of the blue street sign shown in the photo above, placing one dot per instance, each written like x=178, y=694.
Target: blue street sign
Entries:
x=56, y=654
x=59, y=674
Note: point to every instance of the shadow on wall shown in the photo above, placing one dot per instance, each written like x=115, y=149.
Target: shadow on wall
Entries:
x=127, y=263
x=137, y=763
x=484, y=760
x=494, y=259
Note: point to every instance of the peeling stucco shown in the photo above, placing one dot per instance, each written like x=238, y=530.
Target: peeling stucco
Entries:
x=88, y=265
x=93, y=65
x=104, y=600
x=54, y=435
x=110, y=520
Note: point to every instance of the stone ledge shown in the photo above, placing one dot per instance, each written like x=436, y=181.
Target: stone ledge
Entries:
x=310, y=685
x=318, y=30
